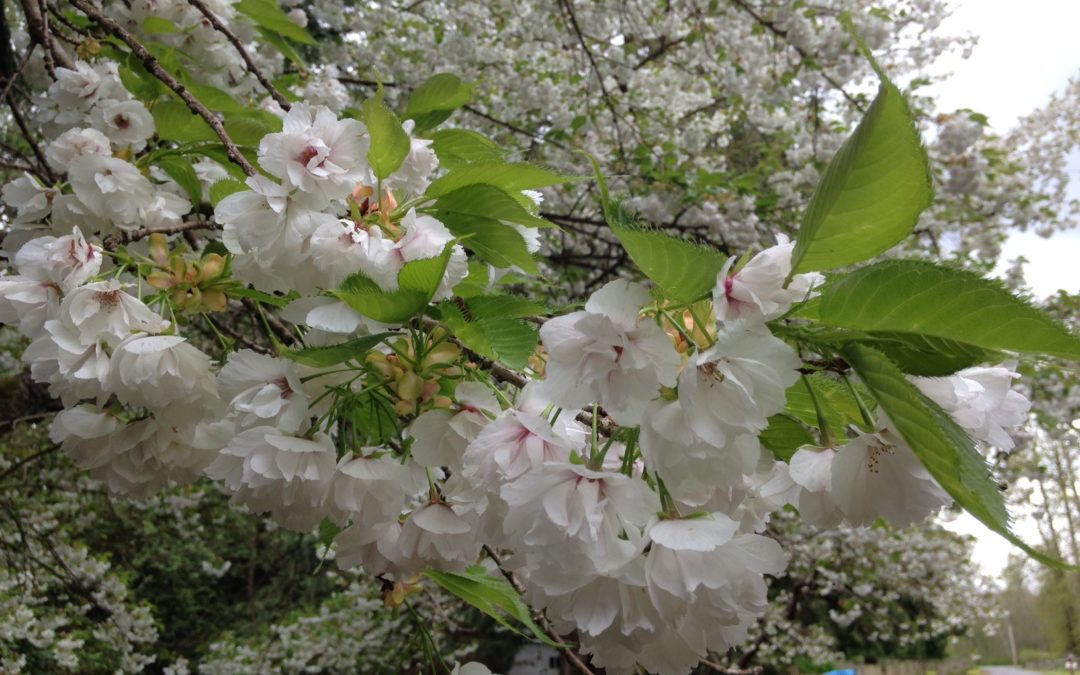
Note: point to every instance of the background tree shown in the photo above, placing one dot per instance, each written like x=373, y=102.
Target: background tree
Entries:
x=716, y=119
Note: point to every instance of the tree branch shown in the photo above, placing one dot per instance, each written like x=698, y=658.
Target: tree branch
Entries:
x=231, y=37
x=771, y=27
x=570, y=654
x=29, y=137
x=118, y=239
x=569, y=9
x=535, y=136
x=35, y=25
x=154, y=67
x=29, y=458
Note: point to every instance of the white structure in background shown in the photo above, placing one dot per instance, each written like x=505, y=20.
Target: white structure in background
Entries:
x=535, y=660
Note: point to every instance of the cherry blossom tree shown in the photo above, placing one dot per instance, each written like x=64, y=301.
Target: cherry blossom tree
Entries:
x=227, y=267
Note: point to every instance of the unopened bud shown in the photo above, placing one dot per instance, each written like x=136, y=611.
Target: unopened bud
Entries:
x=159, y=248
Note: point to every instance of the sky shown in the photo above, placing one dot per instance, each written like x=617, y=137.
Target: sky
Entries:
x=1026, y=52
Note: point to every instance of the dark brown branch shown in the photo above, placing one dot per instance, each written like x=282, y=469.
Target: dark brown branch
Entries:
x=569, y=653
x=231, y=37
x=608, y=101
x=59, y=16
x=29, y=458
x=154, y=67
x=782, y=34
x=276, y=326
x=118, y=239
x=664, y=47
x=28, y=135
x=35, y=25
x=46, y=34
x=15, y=74
x=473, y=110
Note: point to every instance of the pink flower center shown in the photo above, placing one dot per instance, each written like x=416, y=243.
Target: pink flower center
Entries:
x=283, y=384
x=108, y=299
x=308, y=154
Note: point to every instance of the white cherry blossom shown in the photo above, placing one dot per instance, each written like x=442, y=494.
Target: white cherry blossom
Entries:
x=759, y=290
x=734, y=386
x=608, y=354
x=318, y=153
x=159, y=371
x=981, y=400
x=269, y=470
x=879, y=476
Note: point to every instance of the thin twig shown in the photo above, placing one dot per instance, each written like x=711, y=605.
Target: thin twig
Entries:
x=771, y=27
x=276, y=326
x=473, y=110
x=118, y=239
x=252, y=68
x=26, y=460
x=570, y=654
x=29, y=137
x=46, y=35
x=608, y=101
x=35, y=26
x=153, y=66
x=15, y=76
x=510, y=376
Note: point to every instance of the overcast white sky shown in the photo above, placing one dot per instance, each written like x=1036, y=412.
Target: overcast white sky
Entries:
x=1026, y=52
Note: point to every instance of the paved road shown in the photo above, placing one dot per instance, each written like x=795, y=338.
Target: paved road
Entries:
x=1007, y=670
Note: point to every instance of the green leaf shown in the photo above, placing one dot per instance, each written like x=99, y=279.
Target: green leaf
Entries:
x=216, y=99
x=259, y=296
x=503, y=306
x=488, y=201
x=389, y=142
x=331, y=355
x=284, y=46
x=915, y=297
x=269, y=15
x=417, y=283
x=492, y=596
x=218, y=153
x=371, y=415
x=498, y=244
x=684, y=270
x=928, y=356
x=490, y=331
x=837, y=404
x=943, y=447
x=434, y=100
x=156, y=25
x=784, y=436
x=180, y=170
x=512, y=342
x=476, y=281
x=138, y=80
x=511, y=178
x=455, y=147
x=249, y=127
x=872, y=192
x=175, y=122
x=225, y=187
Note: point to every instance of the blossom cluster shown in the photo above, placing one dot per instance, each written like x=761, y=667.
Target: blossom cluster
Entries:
x=619, y=474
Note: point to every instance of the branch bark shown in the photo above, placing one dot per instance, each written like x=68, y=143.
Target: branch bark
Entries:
x=153, y=66
x=570, y=654
x=231, y=37
x=118, y=239
x=782, y=34
x=35, y=25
